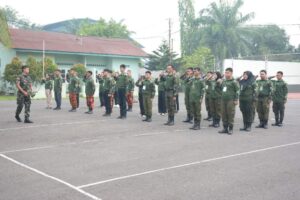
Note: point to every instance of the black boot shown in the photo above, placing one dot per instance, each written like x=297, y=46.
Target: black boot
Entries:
x=193, y=127
x=149, y=119
x=171, y=121
x=144, y=120
x=265, y=124
x=18, y=118
x=230, y=130
x=197, y=127
x=192, y=118
x=217, y=123
x=168, y=122
x=188, y=119
x=129, y=109
x=28, y=121
x=225, y=129
x=261, y=124
x=276, y=121
x=281, y=119
x=248, y=128
x=213, y=123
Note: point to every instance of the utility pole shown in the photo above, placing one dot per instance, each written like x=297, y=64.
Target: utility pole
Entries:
x=170, y=40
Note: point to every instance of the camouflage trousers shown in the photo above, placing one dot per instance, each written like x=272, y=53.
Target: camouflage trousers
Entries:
x=207, y=106
x=278, y=109
x=22, y=101
x=196, y=110
x=215, y=106
x=170, y=101
x=187, y=103
x=73, y=100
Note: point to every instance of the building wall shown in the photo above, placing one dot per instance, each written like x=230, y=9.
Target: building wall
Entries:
x=6, y=55
x=291, y=70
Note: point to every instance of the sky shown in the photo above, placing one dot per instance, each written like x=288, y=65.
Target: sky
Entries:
x=149, y=18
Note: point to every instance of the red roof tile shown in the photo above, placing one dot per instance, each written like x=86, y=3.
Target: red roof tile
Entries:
x=33, y=40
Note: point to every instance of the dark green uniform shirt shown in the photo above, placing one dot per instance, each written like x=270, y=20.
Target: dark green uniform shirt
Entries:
x=160, y=83
x=248, y=92
x=122, y=81
x=74, y=85
x=58, y=84
x=148, y=88
x=171, y=84
x=208, y=88
x=100, y=81
x=48, y=84
x=230, y=90
x=216, y=89
x=197, y=89
x=89, y=86
x=130, y=86
x=264, y=89
x=187, y=82
x=280, y=91
x=108, y=85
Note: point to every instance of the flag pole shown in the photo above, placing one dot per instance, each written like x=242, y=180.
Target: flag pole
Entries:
x=43, y=58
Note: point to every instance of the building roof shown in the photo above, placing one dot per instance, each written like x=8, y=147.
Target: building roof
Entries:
x=62, y=42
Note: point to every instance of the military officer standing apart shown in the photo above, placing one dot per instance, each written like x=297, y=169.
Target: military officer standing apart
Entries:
x=215, y=99
x=187, y=82
x=24, y=85
x=148, y=95
x=48, y=90
x=122, y=84
x=171, y=88
x=208, y=80
x=108, y=89
x=89, y=91
x=230, y=96
x=264, y=98
x=247, y=97
x=279, y=98
x=58, y=81
x=73, y=90
x=130, y=90
x=196, y=96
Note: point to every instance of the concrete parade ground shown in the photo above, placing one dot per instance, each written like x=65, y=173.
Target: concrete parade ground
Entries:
x=75, y=156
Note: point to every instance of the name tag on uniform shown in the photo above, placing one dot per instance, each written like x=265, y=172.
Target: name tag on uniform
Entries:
x=206, y=87
x=144, y=87
x=261, y=88
x=225, y=89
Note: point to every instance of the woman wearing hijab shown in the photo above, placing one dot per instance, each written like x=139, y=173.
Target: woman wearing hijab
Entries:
x=247, y=97
x=215, y=103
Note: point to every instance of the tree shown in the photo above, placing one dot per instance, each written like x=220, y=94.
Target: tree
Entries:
x=189, y=32
x=103, y=28
x=15, y=20
x=4, y=31
x=80, y=69
x=223, y=30
x=13, y=70
x=160, y=58
x=202, y=57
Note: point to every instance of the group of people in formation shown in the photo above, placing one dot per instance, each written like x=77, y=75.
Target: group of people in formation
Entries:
x=221, y=93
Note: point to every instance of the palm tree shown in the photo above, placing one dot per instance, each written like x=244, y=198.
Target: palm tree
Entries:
x=222, y=30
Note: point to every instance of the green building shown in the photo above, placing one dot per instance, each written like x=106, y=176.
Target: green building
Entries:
x=66, y=50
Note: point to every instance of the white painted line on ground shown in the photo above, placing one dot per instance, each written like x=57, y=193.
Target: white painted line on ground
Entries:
x=50, y=177
x=149, y=134
x=187, y=164
x=56, y=124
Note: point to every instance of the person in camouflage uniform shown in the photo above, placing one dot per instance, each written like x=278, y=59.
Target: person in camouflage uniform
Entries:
x=130, y=91
x=122, y=84
x=48, y=90
x=58, y=81
x=264, y=98
x=171, y=90
x=247, y=97
x=187, y=82
x=89, y=91
x=208, y=80
x=74, y=84
x=230, y=96
x=140, y=86
x=108, y=89
x=162, y=110
x=24, y=85
x=215, y=99
x=279, y=98
x=196, y=94
x=148, y=95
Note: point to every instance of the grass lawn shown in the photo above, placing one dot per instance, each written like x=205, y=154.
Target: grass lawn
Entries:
x=7, y=98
